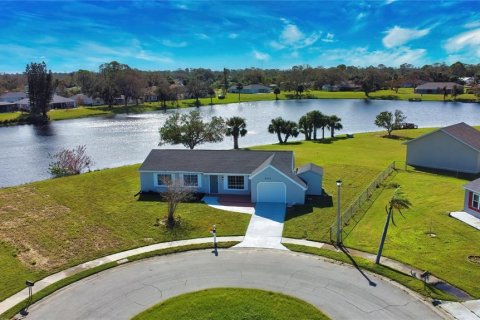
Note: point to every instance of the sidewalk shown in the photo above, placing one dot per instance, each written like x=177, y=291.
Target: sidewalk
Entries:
x=45, y=282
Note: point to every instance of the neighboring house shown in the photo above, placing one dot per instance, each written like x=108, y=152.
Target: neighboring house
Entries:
x=439, y=88
x=8, y=106
x=251, y=89
x=453, y=148
x=84, y=100
x=58, y=102
x=472, y=198
x=12, y=96
x=150, y=94
x=266, y=176
x=329, y=88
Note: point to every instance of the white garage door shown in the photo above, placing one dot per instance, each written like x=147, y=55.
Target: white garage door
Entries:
x=271, y=192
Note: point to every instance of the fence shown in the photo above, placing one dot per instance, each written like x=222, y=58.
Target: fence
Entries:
x=355, y=206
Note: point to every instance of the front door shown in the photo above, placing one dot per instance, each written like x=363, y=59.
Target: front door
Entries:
x=213, y=184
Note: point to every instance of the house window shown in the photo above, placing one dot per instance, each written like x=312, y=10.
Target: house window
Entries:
x=476, y=201
x=163, y=179
x=236, y=182
x=190, y=180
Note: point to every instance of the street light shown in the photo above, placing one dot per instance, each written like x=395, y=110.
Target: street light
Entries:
x=339, y=218
x=29, y=285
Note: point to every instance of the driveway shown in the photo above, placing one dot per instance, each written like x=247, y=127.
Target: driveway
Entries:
x=265, y=227
x=340, y=291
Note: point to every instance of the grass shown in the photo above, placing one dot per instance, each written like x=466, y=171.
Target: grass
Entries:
x=54, y=224
x=232, y=304
x=86, y=273
x=446, y=254
x=81, y=112
x=364, y=264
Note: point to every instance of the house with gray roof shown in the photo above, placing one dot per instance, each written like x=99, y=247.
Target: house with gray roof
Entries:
x=251, y=89
x=8, y=106
x=439, y=88
x=453, y=148
x=265, y=176
x=472, y=198
x=58, y=102
x=12, y=96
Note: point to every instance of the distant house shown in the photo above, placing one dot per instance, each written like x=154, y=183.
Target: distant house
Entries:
x=84, y=100
x=453, y=148
x=251, y=89
x=12, y=96
x=439, y=88
x=472, y=198
x=58, y=102
x=150, y=94
x=343, y=86
x=266, y=176
x=330, y=88
x=8, y=106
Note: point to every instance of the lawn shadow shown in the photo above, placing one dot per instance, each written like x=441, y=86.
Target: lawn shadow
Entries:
x=330, y=140
x=354, y=263
x=454, y=174
x=195, y=197
x=395, y=137
x=323, y=201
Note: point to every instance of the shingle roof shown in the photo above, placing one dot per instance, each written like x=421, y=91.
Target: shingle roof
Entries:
x=13, y=96
x=464, y=133
x=473, y=185
x=460, y=131
x=219, y=161
x=310, y=167
x=7, y=103
x=55, y=99
x=436, y=85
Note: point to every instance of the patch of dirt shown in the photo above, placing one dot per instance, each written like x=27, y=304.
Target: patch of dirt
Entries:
x=474, y=259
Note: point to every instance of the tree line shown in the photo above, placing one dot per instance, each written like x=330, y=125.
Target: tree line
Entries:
x=113, y=79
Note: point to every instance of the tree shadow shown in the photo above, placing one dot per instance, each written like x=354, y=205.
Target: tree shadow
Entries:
x=323, y=201
x=455, y=174
x=354, y=263
x=395, y=137
x=330, y=140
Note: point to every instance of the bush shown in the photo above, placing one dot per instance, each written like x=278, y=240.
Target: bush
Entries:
x=70, y=162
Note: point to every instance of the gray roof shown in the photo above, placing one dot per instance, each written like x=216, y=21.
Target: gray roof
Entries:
x=55, y=99
x=256, y=86
x=7, y=103
x=460, y=131
x=219, y=161
x=13, y=96
x=310, y=167
x=436, y=85
x=473, y=185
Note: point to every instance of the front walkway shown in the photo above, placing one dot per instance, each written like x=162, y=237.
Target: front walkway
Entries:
x=266, y=227
x=467, y=218
x=233, y=206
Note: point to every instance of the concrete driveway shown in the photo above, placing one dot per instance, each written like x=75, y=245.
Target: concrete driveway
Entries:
x=265, y=227
x=341, y=291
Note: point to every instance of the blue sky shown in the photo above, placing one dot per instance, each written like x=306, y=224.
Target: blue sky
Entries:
x=160, y=35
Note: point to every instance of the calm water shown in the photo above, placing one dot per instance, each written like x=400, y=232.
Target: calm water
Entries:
x=127, y=139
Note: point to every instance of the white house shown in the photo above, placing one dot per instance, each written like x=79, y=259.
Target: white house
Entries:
x=266, y=176
x=472, y=198
x=453, y=148
x=251, y=88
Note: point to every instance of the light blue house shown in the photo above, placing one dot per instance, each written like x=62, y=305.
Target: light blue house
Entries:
x=266, y=176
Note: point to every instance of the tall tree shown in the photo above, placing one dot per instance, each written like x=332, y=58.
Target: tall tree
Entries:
x=211, y=94
x=236, y=127
x=107, y=83
x=334, y=123
x=276, y=126
x=290, y=129
x=276, y=91
x=306, y=126
x=40, y=88
x=390, y=121
x=239, y=89
x=319, y=120
x=397, y=202
x=130, y=84
x=190, y=130
x=175, y=194
x=280, y=126
x=164, y=92
x=197, y=87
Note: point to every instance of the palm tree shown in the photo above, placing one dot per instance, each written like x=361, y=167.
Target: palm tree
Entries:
x=239, y=89
x=236, y=127
x=397, y=202
x=306, y=126
x=276, y=126
x=333, y=123
x=290, y=129
x=276, y=91
x=318, y=121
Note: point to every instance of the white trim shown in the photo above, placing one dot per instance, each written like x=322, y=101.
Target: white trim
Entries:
x=199, y=179
x=275, y=182
x=155, y=179
x=245, y=182
x=283, y=174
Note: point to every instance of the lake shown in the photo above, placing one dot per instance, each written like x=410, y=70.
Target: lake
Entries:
x=127, y=139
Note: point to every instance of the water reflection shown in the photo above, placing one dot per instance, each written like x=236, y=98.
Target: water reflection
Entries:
x=44, y=130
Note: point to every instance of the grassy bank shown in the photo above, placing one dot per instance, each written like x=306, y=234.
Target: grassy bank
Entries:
x=51, y=225
x=232, y=304
x=82, y=112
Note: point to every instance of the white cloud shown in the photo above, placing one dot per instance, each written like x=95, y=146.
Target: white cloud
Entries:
x=172, y=44
x=329, y=37
x=364, y=58
x=202, y=36
x=389, y=1
x=291, y=34
x=233, y=36
x=260, y=55
x=293, y=38
x=398, y=36
x=467, y=41
x=473, y=24
x=361, y=15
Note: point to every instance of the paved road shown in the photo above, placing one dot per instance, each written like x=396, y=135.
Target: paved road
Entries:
x=266, y=227
x=342, y=292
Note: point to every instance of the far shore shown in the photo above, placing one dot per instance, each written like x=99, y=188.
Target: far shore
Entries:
x=403, y=94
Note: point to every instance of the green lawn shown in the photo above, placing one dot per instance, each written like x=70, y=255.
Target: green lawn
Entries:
x=50, y=225
x=232, y=304
x=446, y=254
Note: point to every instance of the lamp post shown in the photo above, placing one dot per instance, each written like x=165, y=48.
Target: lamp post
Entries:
x=29, y=285
x=339, y=218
